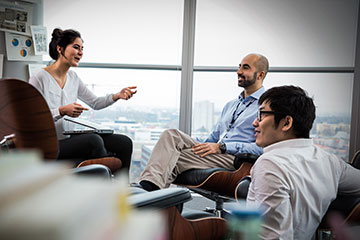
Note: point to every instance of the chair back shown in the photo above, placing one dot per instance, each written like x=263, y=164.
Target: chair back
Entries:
x=355, y=161
x=25, y=113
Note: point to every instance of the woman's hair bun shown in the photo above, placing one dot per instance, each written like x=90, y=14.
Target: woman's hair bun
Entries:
x=57, y=33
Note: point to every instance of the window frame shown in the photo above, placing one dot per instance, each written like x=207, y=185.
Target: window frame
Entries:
x=187, y=69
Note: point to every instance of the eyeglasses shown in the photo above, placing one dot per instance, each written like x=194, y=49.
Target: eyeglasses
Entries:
x=260, y=113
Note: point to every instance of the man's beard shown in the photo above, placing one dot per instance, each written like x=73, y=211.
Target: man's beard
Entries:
x=247, y=82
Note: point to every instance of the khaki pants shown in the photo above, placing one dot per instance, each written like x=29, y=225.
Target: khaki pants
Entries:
x=172, y=155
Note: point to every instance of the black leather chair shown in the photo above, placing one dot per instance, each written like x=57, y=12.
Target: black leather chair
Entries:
x=242, y=188
x=94, y=170
x=26, y=123
x=347, y=206
x=179, y=228
x=7, y=144
x=217, y=184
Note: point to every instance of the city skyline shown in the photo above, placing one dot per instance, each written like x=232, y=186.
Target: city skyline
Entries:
x=332, y=133
x=324, y=88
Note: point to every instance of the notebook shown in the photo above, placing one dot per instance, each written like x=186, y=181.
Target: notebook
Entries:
x=92, y=127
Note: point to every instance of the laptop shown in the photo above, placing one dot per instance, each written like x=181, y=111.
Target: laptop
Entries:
x=92, y=127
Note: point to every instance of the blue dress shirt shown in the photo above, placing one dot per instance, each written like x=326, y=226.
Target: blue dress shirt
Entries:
x=239, y=137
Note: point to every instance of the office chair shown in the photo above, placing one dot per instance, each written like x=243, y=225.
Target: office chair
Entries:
x=26, y=123
x=218, y=184
x=347, y=206
x=179, y=228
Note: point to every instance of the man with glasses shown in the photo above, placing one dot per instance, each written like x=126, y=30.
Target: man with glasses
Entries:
x=176, y=152
x=294, y=181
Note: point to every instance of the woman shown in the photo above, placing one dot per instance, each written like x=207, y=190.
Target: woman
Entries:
x=61, y=87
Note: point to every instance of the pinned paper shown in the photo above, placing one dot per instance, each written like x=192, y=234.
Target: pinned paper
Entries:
x=39, y=36
x=20, y=48
x=15, y=17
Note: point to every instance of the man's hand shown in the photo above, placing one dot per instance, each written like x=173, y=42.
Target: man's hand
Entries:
x=72, y=110
x=125, y=93
x=204, y=149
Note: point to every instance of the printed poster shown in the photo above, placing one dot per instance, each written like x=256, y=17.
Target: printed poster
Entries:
x=39, y=36
x=15, y=17
x=20, y=48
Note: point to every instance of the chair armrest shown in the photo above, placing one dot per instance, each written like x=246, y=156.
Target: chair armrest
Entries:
x=7, y=143
x=163, y=198
x=355, y=161
x=112, y=163
x=347, y=206
x=194, y=177
x=244, y=157
x=96, y=170
x=242, y=188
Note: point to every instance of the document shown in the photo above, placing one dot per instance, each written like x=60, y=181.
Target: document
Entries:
x=15, y=17
x=39, y=36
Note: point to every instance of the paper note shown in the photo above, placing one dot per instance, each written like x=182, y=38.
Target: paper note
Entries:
x=39, y=37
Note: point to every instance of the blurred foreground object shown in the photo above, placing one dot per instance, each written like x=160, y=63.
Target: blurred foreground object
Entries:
x=46, y=201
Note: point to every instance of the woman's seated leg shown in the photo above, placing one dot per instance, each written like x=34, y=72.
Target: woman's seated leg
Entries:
x=121, y=146
x=81, y=147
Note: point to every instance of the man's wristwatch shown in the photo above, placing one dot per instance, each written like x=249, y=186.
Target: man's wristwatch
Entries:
x=223, y=147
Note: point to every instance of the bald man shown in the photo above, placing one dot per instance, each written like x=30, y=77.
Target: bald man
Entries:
x=176, y=152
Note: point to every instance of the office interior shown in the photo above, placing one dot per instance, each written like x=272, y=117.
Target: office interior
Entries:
x=183, y=56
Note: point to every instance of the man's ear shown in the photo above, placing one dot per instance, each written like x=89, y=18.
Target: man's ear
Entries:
x=261, y=75
x=287, y=123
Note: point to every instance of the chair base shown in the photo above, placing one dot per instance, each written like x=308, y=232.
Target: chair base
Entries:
x=219, y=200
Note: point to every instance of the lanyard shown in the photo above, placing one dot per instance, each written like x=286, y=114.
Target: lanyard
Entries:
x=235, y=116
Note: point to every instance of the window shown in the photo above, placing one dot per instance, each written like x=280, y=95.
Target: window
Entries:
x=291, y=34
x=308, y=33
x=125, y=31
x=331, y=129
x=145, y=116
x=128, y=32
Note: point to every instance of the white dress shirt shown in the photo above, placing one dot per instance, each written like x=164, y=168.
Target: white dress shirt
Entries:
x=73, y=89
x=294, y=182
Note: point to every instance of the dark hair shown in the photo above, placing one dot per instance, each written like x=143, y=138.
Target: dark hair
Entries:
x=293, y=101
x=63, y=39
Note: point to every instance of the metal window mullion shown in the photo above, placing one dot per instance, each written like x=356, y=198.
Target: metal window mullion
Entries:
x=355, y=113
x=210, y=68
x=186, y=90
x=279, y=69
